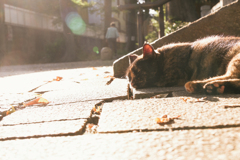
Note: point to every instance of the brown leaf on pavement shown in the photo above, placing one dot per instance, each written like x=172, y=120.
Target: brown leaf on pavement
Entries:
x=94, y=68
x=97, y=109
x=110, y=81
x=10, y=111
x=58, y=78
x=39, y=100
x=184, y=99
x=166, y=119
x=193, y=100
x=108, y=76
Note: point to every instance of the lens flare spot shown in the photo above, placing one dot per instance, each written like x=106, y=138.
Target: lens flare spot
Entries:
x=75, y=22
x=95, y=49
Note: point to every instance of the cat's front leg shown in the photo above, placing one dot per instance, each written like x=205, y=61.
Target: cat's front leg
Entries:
x=194, y=86
x=160, y=84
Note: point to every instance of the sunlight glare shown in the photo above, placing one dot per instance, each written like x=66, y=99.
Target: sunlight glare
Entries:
x=75, y=22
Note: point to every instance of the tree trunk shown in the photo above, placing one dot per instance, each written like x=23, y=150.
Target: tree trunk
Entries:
x=183, y=10
x=70, y=46
x=161, y=21
x=131, y=25
x=2, y=30
x=107, y=14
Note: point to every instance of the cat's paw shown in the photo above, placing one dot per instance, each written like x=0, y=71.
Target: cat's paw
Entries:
x=193, y=87
x=214, y=88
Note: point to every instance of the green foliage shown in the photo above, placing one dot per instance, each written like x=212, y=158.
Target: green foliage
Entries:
x=170, y=26
x=206, y=1
x=84, y=4
x=153, y=35
x=173, y=26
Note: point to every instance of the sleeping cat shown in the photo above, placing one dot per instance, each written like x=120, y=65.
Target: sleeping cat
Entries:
x=210, y=65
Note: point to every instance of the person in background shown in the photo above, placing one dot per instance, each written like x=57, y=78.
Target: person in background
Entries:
x=112, y=37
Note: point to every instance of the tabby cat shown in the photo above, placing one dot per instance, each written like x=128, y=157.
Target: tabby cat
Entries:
x=210, y=65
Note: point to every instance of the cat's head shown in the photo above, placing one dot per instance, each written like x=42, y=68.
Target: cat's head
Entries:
x=142, y=70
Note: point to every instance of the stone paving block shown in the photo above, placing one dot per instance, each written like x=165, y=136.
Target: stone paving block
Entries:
x=129, y=115
x=185, y=145
x=57, y=86
x=50, y=113
x=24, y=83
x=31, y=68
x=15, y=98
x=42, y=129
x=7, y=100
x=90, y=90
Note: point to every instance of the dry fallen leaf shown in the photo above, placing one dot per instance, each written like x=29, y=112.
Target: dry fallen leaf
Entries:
x=106, y=72
x=91, y=128
x=94, y=68
x=108, y=76
x=110, y=81
x=165, y=119
x=184, y=99
x=39, y=100
x=10, y=111
x=193, y=100
x=97, y=109
x=90, y=125
x=59, y=78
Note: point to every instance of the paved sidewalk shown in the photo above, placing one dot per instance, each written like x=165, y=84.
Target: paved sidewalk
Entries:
x=69, y=128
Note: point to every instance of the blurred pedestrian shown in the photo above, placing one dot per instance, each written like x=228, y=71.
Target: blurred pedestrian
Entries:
x=112, y=37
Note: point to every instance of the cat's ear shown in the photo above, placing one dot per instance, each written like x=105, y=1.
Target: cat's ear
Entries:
x=132, y=58
x=148, y=51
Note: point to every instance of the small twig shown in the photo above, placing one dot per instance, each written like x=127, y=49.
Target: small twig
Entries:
x=230, y=105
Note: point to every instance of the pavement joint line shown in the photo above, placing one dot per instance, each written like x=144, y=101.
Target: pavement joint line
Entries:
x=80, y=132
x=102, y=99
x=173, y=129
x=44, y=122
x=39, y=86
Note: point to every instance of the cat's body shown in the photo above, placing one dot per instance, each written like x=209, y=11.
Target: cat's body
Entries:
x=211, y=64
